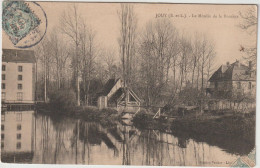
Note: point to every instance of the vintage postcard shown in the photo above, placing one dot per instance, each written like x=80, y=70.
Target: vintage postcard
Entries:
x=145, y=84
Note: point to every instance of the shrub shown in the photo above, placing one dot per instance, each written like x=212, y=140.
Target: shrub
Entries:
x=142, y=119
x=109, y=111
x=63, y=100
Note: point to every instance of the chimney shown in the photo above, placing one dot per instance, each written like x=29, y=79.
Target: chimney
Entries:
x=228, y=64
x=250, y=65
x=237, y=63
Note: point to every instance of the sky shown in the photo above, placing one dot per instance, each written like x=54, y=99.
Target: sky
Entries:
x=103, y=18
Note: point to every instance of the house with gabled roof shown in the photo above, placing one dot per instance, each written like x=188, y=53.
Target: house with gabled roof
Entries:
x=233, y=78
x=118, y=96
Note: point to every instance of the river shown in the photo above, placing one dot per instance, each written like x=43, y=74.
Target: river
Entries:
x=30, y=137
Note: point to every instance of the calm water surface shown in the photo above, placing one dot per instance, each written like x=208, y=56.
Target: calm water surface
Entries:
x=28, y=137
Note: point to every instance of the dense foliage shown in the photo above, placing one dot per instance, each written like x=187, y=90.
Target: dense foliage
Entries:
x=63, y=100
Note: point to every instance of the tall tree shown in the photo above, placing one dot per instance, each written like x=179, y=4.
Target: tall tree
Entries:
x=158, y=47
x=43, y=52
x=60, y=54
x=70, y=26
x=128, y=24
x=88, y=51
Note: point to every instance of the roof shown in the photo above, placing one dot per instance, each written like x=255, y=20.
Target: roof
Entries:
x=117, y=95
x=108, y=86
x=234, y=72
x=14, y=55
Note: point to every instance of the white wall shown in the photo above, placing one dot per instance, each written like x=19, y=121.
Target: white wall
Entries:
x=11, y=81
x=244, y=87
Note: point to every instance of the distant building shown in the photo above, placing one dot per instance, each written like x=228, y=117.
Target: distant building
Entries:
x=231, y=79
x=117, y=96
x=18, y=76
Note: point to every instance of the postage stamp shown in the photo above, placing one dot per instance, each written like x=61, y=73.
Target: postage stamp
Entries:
x=246, y=161
x=21, y=23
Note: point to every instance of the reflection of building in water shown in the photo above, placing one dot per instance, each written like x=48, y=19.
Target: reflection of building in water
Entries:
x=17, y=136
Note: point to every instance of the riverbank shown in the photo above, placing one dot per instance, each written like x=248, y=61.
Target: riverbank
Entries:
x=146, y=121
x=226, y=131
x=105, y=116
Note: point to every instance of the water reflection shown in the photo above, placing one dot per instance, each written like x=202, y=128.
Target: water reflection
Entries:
x=56, y=140
x=17, y=136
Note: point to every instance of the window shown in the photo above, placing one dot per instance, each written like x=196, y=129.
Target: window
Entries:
x=20, y=86
x=216, y=84
x=18, y=145
x=19, y=136
x=2, y=145
x=249, y=85
x=238, y=85
x=20, y=77
x=18, y=116
x=2, y=127
x=3, y=76
x=20, y=68
x=19, y=96
x=3, y=67
x=3, y=85
x=3, y=95
x=2, y=136
x=2, y=117
x=19, y=127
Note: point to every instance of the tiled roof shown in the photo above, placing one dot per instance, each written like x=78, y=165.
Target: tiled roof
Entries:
x=117, y=95
x=108, y=86
x=233, y=72
x=14, y=55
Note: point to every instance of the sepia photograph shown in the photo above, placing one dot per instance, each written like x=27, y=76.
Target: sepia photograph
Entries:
x=143, y=84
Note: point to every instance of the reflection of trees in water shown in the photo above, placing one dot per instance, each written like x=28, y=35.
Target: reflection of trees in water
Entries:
x=73, y=141
x=52, y=134
x=157, y=148
x=152, y=148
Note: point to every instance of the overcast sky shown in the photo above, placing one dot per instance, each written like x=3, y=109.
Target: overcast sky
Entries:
x=104, y=20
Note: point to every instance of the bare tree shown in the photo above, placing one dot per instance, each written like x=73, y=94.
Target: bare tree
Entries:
x=88, y=51
x=184, y=60
x=70, y=26
x=195, y=57
x=128, y=24
x=109, y=60
x=249, y=24
x=44, y=56
x=158, y=47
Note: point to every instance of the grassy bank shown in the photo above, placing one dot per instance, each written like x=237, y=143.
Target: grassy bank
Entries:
x=105, y=116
